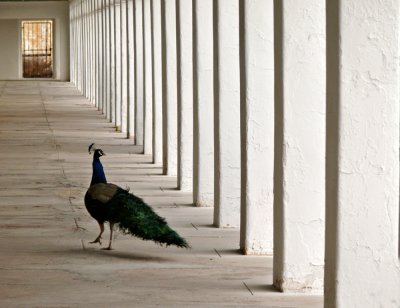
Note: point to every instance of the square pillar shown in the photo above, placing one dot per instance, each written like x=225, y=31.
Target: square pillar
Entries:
x=84, y=49
x=156, y=54
x=203, y=104
x=131, y=68
x=113, y=62
x=184, y=20
x=139, y=111
x=227, y=114
x=99, y=102
x=103, y=103
x=118, y=65
x=94, y=52
x=362, y=267
x=299, y=205
x=147, y=79
x=107, y=60
x=79, y=47
x=170, y=113
x=124, y=67
x=139, y=72
x=257, y=125
x=91, y=51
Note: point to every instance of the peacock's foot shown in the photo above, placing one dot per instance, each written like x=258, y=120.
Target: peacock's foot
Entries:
x=108, y=248
x=97, y=240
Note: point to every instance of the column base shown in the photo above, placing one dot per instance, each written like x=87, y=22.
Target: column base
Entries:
x=311, y=284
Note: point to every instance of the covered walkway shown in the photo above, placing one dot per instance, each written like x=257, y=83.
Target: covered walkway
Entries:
x=45, y=258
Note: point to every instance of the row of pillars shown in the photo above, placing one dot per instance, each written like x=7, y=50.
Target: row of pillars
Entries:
x=283, y=115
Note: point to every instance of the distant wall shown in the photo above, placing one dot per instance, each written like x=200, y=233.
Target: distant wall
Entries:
x=11, y=14
x=9, y=61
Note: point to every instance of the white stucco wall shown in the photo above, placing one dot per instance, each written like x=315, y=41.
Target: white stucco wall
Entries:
x=170, y=109
x=16, y=11
x=185, y=94
x=227, y=115
x=147, y=80
x=157, y=81
x=139, y=111
x=203, y=93
x=299, y=187
x=362, y=233
x=257, y=118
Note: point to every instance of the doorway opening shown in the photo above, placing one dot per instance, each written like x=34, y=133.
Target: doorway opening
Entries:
x=37, y=48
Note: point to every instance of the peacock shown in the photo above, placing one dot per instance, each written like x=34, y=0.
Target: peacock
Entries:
x=108, y=202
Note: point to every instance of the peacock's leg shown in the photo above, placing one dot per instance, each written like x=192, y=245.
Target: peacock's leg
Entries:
x=111, y=236
x=98, y=239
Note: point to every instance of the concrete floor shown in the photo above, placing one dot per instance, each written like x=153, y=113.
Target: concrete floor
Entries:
x=46, y=260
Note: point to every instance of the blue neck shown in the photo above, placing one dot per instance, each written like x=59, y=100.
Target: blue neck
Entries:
x=98, y=175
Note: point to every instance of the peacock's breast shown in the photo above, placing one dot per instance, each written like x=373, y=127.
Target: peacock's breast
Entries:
x=96, y=209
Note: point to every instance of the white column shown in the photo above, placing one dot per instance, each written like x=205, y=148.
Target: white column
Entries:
x=227, y=114
x=118, y=65
x=157, y=81
x=91, y=50
x=97, y=55
x=257, y=125
x=184, y=20
x=71, y=37
x=299, y=206
x=79, y=46
x=203, y=130
x=107, y=60
x=101, y=56
x=124, y=68
x=147, y=79
x=170, y=112
x=362, y=202
x=139, y=112
x=84, y=48
x=105, y=103
x=113, y=61
x=73, y=43
x=131, y=69
x=88, y=53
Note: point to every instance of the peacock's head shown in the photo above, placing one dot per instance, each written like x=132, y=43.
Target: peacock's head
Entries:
x=96, y=152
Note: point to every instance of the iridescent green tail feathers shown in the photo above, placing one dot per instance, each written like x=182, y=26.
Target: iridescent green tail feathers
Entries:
x=133, y=216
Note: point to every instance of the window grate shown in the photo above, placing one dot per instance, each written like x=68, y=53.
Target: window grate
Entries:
x=37, y=48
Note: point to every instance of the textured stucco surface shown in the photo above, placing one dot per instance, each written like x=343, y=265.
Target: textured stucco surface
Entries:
x=157, y=81
x=203, y=191
x=299, y=210
x=257, y=120
x=185, y=95
x=139, y=67
x=227, y=117
x=118, y=65
x=131, y=71
x=170, y=109
x=363, y=269
x=124, y=69
x=148, y=91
